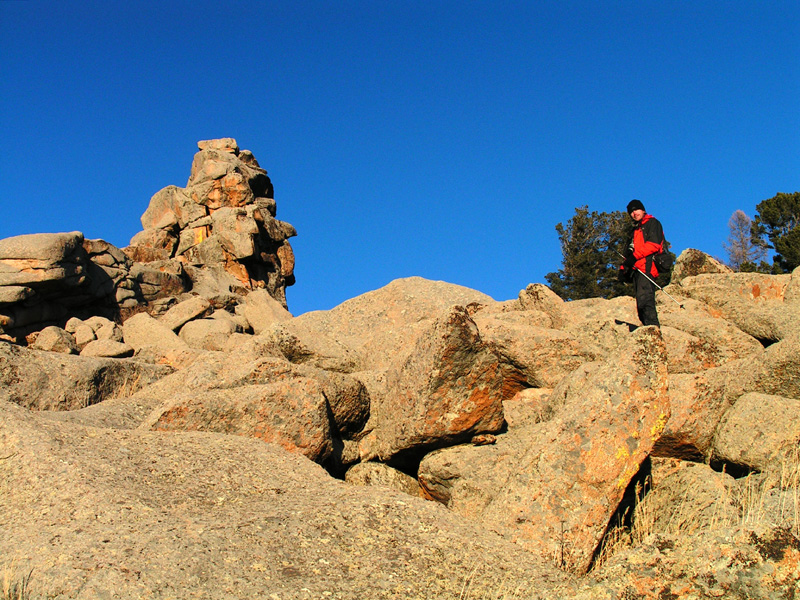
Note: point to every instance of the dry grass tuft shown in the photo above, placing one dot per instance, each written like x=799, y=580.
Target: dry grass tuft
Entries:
x=770, y=498
x=470, y=592
x=773, y=496
x=14, y=586
x=129, y=387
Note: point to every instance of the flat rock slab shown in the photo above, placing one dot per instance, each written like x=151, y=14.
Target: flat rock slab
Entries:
x=292, y=413
x=134, y=514
x=47, y=247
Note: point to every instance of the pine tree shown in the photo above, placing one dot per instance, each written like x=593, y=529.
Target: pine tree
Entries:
x=589, y=245
x=775, y=226
x=592, y=247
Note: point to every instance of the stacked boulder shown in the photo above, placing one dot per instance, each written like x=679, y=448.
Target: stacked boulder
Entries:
x=47, y=278
x=218, y=238
x=221, y=226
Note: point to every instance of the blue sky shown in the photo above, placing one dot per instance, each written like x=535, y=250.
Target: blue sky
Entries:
x=442, y=139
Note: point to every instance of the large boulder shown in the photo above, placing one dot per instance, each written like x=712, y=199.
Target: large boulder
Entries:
x=529, y=406
x=601, y=325
x=450, y=388
x=759, y=429
x=544, y=356
x=754, y=302
x=382, y=326
x=36, y=272
x=298, y=406
x=347, y=398
x=208, y=334
x=262, y=310
x=714, y=340
x=292, y=413
x=466, y=478
x=560, y=497
x=107, y=348
x=43, y=261
x=302, y=343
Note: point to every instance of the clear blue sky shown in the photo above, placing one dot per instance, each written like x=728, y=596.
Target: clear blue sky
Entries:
x=444, y=139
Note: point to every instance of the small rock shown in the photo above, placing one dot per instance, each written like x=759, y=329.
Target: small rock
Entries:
x=55, y=339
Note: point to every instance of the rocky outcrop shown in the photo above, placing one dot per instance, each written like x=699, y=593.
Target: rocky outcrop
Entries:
x=221, y=224
x=46, y=278
x=218, y=237
x=41, y=380
x=148, y=514
x=560, y=497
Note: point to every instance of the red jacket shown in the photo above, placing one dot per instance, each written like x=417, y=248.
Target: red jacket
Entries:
x=648, y=239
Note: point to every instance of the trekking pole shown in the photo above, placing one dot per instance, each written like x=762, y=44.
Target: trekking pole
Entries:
x=653, y=282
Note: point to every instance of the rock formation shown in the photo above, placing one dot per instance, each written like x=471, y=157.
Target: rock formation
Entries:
x=218, y=238
x=223, y=223
x=421, y=440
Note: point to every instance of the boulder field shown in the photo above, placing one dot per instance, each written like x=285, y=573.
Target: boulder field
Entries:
x=193, y=439
x=404, y=445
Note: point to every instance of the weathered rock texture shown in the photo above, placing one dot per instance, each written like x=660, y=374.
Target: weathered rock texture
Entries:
x=139, y=514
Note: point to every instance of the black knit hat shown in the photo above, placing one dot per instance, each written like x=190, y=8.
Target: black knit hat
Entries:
x=635, y=205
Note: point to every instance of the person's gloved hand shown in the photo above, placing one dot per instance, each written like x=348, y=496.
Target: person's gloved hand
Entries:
x=629, y=261
x=625, y=275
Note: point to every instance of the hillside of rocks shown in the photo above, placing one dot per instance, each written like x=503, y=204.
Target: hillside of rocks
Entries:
x=196, y=440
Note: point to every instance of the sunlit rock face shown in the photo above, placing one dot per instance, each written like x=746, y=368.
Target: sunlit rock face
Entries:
x=221, y=226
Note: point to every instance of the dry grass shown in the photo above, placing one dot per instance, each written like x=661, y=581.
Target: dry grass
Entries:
x=15, y=586
x=768, y=498
x=470, y=591
x=781, y=482
x=131, y=385
x=620, y=535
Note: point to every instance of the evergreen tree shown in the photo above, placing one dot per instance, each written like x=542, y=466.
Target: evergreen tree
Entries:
x=743, y=253
x=775, y=226
x=589, y=245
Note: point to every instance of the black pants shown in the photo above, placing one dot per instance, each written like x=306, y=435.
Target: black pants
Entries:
x=645, y=299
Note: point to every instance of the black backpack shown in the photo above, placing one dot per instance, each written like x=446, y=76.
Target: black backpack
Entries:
x=663, y=261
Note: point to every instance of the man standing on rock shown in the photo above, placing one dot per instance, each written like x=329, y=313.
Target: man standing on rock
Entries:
x=638, y=266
